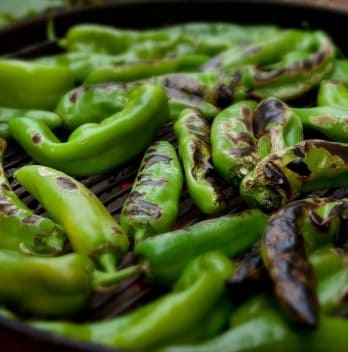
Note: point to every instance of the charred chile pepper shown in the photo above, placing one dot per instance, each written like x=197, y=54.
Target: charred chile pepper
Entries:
x=29, y=85
x=291, y=232
x=192, y=132
x=95, y=148
x=198, y=290
x=94, y=103
x=331, y=121
x=20, y=229
x=276, y=127
x=89, y=226
x=304, y=167
x=233, y=143
x=168, y=253
x=152, y=205
x=51, y=119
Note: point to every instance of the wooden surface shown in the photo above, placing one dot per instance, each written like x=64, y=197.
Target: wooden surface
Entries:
x=340, y=4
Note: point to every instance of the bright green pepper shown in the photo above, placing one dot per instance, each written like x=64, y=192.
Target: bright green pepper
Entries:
x=198, y=290
x=152, y=205
x=20, y=229
x=304, y=167
x=167, y=254
x=45, y=286
x=340, y=72
x=51, y=119
x=144, y=68
x=28, y=85
x=331, y=121
x=87, y=104
x=233, y=142
x=333, y=93
x=192, y=132
x=95, y=148
x=89, y=226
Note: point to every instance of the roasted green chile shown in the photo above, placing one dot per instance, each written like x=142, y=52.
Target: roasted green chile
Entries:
x=29, y=85
x=304, y=167
x=234, y=149
x=198, y=290
x=89, y=226
x=152, y=205
x=21, y=229
x=192, y=132
x=333, y=93
x=95, y=148
x=167, y=254
x=86, y=104
x=51, y=119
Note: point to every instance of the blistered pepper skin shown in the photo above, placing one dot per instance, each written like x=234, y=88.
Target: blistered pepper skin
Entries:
x=304, y=167
x=21, y=230
x=89, y=226
x=192, y=132
x=95, y=148
x=153, y=203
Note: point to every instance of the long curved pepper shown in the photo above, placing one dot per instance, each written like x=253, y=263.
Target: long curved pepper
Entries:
x=153, y=203
x=95, y=148
x=192, y=132
x=89, y=226
x=280, y=177
x=21, y=229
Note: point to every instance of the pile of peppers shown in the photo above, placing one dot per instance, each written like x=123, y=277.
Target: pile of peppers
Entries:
x=271, y=275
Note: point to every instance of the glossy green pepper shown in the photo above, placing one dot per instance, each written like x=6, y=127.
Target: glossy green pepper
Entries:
x=145, y=68
x=333, y=93
x=51, y=119
x=167, y=254
x=96, y=148
x=198, y=290
x=89, y=226
x=153, y=203
x=29, y=85
x=45, y=286
x=234, y=151
x=304, y=167
x=21, y=229
x=192, y=132
x=94, y=103
x=331, y=121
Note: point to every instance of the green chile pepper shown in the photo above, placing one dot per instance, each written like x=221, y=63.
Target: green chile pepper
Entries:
x=290, y=233
x=152, y=205
x=167, y=254
x=45, y=286
x=276, y=127
x=198, y=290
x=332, y=93
x=89, y=226
x=192, y=132
x=304, y=167
x=331, y=121
x=258, y=326
x=94, y=103
x=144, y=68
x=95, y=148
x=29, y=85
x=340, y=72
x=51, y=119
x=20, y=229
x=233, y=142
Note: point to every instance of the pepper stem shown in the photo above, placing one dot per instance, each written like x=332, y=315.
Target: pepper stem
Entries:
x=140, y=235
x=107, y=262
x=105, y=279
